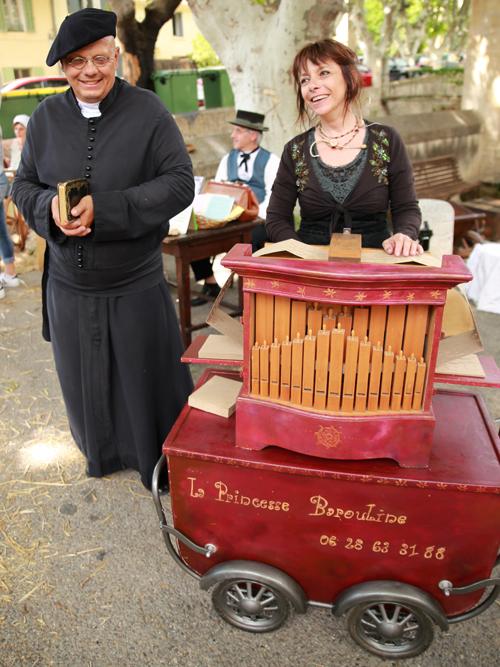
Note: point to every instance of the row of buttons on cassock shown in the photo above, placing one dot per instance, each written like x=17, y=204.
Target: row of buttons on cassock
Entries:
x=88, y=169
x=90, y=148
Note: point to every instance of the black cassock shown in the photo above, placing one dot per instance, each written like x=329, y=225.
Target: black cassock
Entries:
x=107, y=309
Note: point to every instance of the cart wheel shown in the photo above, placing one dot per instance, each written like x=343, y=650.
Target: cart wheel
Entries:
x=390, y=629
x=250, y=605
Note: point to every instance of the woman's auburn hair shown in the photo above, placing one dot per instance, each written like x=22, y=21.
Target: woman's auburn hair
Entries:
x=321, y=52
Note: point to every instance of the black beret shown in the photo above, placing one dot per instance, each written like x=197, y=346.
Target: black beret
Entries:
x=79, y=29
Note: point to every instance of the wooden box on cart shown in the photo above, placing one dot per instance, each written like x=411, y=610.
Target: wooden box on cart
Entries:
x=339, y=358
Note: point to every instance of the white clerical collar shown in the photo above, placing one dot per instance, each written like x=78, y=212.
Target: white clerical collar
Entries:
x=89, y=109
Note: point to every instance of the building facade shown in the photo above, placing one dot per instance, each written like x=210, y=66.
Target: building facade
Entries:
x=27, y=28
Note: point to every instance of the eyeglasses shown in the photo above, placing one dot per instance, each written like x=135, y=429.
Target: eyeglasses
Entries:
x=79, y=62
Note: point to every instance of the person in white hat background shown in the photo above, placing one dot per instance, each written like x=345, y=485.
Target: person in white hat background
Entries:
x=19, y=123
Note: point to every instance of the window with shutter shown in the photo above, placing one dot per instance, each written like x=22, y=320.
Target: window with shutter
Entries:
x=16, y=16
x=75, y=5
x=177, y=26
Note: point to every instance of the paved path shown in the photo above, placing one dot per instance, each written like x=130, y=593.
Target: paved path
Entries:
x=85, y=579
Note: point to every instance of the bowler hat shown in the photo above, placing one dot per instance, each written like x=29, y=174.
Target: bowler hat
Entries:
x=250, y=120
x=79, y=29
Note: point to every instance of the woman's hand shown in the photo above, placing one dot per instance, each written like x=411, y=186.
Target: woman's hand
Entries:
x=401, y=244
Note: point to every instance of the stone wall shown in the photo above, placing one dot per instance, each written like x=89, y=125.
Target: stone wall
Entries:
x=208, y=134
x=424, y=94
x=425, y=135
x=429, y=135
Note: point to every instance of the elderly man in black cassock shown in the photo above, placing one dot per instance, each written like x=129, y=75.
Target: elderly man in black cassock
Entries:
x=107, y=309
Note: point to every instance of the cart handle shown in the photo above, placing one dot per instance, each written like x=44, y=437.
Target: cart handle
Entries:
x=169, y=531
x=449, y=589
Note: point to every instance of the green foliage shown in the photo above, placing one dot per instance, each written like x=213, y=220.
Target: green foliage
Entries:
x=269, y=5
x=203, y=53
x=450, y=74
x=374, y=17
x=441, y=18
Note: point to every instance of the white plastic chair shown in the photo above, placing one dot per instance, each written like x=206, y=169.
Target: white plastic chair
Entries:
x=440, y=217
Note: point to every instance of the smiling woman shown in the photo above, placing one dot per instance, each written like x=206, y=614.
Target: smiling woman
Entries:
x=345, y=171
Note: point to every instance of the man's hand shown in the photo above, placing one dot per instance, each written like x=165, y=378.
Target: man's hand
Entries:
x=401, y=244
x=83, y=213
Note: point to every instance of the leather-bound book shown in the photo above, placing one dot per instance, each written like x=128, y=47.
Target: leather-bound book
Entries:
x=70, y=193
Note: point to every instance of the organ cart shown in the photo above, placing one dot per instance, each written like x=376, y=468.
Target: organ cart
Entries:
x=345, y=479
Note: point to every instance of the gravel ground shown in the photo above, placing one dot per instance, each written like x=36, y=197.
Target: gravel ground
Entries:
x=85, y=579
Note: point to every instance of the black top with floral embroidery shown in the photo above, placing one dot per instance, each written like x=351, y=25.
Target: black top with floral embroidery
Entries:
x=384, y=184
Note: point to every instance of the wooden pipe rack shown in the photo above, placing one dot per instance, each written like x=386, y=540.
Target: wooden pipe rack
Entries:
x=340, y=357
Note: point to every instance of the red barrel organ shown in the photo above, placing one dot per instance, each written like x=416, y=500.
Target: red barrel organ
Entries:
x=275, y=509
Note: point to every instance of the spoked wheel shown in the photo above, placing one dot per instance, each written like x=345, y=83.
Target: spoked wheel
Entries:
x=390, y=629
x=251, y=605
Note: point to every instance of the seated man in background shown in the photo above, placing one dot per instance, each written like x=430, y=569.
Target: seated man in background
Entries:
x=252, y=165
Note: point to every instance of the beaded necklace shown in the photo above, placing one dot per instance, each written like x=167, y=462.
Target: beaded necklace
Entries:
x=333, y=141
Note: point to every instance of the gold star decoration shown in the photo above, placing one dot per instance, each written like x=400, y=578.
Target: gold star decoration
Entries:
x=387, y=294
x=410, y=296
x=301, y=291
x=360, y=296
x=249, y=283
x=436, y=294
x=275, y=283
x=330, y=291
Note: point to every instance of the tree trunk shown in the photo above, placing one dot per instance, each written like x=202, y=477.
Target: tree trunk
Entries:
x=481, y=84
x=257, y=44
x=376, y=54
x=139, y=38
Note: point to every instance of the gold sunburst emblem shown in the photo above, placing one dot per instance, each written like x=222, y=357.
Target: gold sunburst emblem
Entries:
x=330, y=292
x=387, y=294
x=275, y=284
x=301, y=291
x=328, y=436
x=360, y=296
x=410, y=296
x=249, y=283
x=436, y=294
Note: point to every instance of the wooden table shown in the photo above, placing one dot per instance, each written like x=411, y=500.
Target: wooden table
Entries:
x=197, y=245
x=489, y=207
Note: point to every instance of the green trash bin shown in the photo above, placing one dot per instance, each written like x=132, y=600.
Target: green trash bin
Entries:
x=177, y=89
x=216, y=87
x=20, y=101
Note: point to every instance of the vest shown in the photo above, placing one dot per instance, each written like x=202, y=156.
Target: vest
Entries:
x=256, y=183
